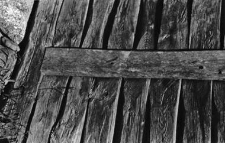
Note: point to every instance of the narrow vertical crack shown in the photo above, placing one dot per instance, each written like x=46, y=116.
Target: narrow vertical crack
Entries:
x=141, y=23
x=109, y=24
x=62, y=108
x=26, y=134
x=158, y=19
x=146, y=132
x=214, y=120
x=222, y=25
x=87, y=21
x=119, y=116
x=189, y=13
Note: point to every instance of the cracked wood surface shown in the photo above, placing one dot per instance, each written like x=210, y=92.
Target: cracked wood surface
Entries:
x=134, y=64
x=122, y=24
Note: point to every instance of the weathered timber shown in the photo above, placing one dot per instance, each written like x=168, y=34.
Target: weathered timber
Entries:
x=97, y=31
x=41, y=36
x=102, y=109
x=134, y=98
x=70, y=23
x=173, y=35
x=204, y=34
x=50, y=95
x=197, y=112
x=69, y=128
x=163, y=99
x=124, y=27
x=134, y=64
x=218, y=114
x=144, y=36
x=131, y=112
x=205, y=24
x=101, y=112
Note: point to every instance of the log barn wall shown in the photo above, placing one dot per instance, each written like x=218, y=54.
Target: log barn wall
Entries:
x=56, y=109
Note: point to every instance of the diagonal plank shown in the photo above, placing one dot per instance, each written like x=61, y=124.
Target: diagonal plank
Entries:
x=207, y=65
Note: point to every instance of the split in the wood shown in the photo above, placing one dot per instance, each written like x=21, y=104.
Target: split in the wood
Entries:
x=205, y=65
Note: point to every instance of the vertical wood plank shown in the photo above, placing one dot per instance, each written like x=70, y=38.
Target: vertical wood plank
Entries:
x=102, y=107
x=218, y=115
x=103, y=102
x=50, y=95
x=40, y=36
x=197, y=105
x=204, y=34
x=163, y=101
x=101, y=11
x=70, y=24
x=70, y=127
x=124, y=26
x=135, y=97
x=131, y=115
x=205, y=24
x=164, y=93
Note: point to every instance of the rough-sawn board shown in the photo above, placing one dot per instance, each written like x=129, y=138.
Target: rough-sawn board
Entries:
x=207, y=65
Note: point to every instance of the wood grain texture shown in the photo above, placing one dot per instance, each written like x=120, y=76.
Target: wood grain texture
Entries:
x=70, y=23
x=102, y=109
x=197, y=105
x=50, y=95
x=218, y=115
x=124, y=27
x=165, y=93
x=101, y=11
x=134, y=64
x=163, y=99
x=134, y=97
x=144, y=36
x=174, y=25
x=70, y=127
x=205, y=24
x=40, y=36
x=204, y=34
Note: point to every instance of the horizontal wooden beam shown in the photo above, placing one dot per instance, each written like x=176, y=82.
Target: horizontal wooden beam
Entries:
x=207, y=65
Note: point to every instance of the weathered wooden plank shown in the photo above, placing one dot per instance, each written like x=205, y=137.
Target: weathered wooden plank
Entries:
x=44, y=15
x=135, y=64
x=70, y=24
x=174, y=25
x=134, y=96
x=101, y=11
x=218, y=114
x=205, y=24
x=165, y=93
x=163, y=100
x=70, y=127
x=102, y=109
x=124, y=27
x=197, y=111
x=50, y=95
x=204, y=34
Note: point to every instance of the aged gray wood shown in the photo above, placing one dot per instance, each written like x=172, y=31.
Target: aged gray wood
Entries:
x=134, y=64
x=50, y=95
x=70, y=23
x=70, y=127
x=218, y=121
x=29, y=74
x=165, y=94
x=124, y=27
x=204, y=34
x=197, y=111
x=102, y=109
